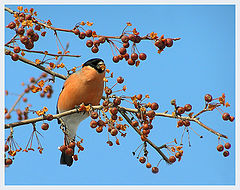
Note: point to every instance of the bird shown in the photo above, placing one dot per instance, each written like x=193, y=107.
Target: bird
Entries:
x=84, y=86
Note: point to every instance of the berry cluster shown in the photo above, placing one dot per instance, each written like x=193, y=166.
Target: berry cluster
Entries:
x=69, y=149
x=11, y=149
x=211, y=105
x=26, y=28
x=227, y=146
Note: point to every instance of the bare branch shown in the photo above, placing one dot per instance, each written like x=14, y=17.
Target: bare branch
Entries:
x=123, y=113
x=46, y=53
x=37, y=66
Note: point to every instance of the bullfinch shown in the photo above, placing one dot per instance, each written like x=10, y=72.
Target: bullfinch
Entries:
x=84, y=86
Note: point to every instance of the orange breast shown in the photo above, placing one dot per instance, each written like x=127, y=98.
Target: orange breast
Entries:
x=85, y=86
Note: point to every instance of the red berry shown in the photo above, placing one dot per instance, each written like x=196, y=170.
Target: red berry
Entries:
x=8, y=161
x=178, y=154
x=137, y=39
x=95, y=49
x=117, y=101
x=131, y=62
x=63, y=148
x=82, y=35
x=126, y=56
x=146, y=132
x=6, y=147
x=231, y=118
x=93, y=124
x=169, y=42
x=89, y=43
x=94, y=115
x=96, y=42
x=126, y=45
x=227, y=145
x=114, y=111
x=99, y=129
x=115, y=59
x=14, y=57
x=102, y=39
x=208, y=98
x=88, y=33
x=114, y=117
x=220, y=147
x=155, y=170
x=108, y=91
x=29, y=45
x=180, y=110
x=76, y=31
x=110, y=143
x=35, y=37
x=71, y=145
x=30, y=32
x=180, y=123
x=75, y=157
x=148, y=165
x=105, y=103
x=186, y=123
x=101, y=123
x=122, y=51
x=45, y=126
x=114, y=132
x=154, y=106
x=24, y=99
x=134, y=123
x=38, y=27
x=69, y=151
x=132, y=37
x=142, y=160
x=120, y=80
x=188, y=107
x=225, y=153
x=24, y=39
x=28, y=17
x=225, y=116
x=134, y=56
x=8, y=116
x=11, y=25
x=172, y=159
x=139, y=96
x=43, y=33
x=16, y=49
x=160, y=44
x=49, y=117
x=20, y=31
x=151, y=114
x=145, y=126
x=125, y=39
x=142, y=56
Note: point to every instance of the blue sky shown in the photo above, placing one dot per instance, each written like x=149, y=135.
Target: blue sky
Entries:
x=202, y=62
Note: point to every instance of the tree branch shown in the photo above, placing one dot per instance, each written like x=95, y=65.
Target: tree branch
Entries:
x=123, y=113
x=37, y=66
x=46, y=53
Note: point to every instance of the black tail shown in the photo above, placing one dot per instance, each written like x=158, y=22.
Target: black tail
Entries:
x=66, y=159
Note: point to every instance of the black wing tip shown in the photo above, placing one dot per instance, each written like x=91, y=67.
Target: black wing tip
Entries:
x=66, y=159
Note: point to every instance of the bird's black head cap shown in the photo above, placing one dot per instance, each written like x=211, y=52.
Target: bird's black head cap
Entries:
x=96, y=63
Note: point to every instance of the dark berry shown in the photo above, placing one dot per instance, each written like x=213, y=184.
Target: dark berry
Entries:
x=122, y=51
x=188, y=107
x=115, y=59
x=88, y=33
x=94, y=115
x=82, y=35
x=120, y=80
x=225, y=116
x=220, y=147
x=142, y=56
x=180, y=110
x=89, y=43
x=169, y=42
x=93, y=124
x=154, y=106
x=45, y=126
x=172, y=159
x=155, y=170
x=125, y=39
x=208, y=98
x=227, y=145
x=142, y=160
x=225, y=153
x=134, y=56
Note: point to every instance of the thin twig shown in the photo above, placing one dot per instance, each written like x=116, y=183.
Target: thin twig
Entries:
x=37, y=66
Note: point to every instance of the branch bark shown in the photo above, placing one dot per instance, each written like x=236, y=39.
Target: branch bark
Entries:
x=38, y=66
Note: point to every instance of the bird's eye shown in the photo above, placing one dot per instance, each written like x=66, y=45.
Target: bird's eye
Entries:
x=102, y=67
